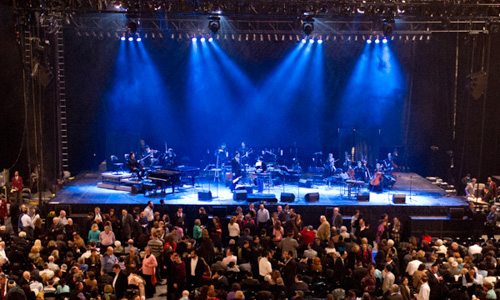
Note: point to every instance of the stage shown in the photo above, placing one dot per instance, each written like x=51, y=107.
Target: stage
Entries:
x=422, y=198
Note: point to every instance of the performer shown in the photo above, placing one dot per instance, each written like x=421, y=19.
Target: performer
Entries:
x=245, y=153
x=134, y=166
x=389, y=163
x=395, y=160
x=347, y=161
x=360, y=172
x=221, y=155
x=236, y=170
x=376, y=181
x=17, y=187
x=331, y=165
x=260, y=168
x=170, y=158
x=147, y=156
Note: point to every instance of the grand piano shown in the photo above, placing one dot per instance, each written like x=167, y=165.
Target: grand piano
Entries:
x=174, y=176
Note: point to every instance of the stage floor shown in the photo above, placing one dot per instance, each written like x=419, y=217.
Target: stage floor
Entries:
x=419, y=192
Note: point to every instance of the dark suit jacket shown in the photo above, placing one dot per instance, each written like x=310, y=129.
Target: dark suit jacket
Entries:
x=395, y=297
x=289, y=270
x=337, y=221
x=127, y=225
x=197, y=280
x=339, y=269
x=121, y=285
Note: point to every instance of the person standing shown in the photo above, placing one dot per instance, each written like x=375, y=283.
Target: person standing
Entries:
x=324, y=229
x=337, y=218
x=149, y=265
x=149, y=213
x=236, y=170
x=17, y=187
x=262, y=216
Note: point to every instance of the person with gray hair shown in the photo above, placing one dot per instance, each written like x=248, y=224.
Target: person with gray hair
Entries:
x=395, y=293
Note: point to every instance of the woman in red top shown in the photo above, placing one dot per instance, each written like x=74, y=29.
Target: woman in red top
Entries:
x=365, y=255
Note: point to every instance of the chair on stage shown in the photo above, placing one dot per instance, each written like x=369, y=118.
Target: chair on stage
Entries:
x=117, y=165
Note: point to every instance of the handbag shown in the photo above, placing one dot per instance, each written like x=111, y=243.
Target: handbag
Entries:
x=153, y=279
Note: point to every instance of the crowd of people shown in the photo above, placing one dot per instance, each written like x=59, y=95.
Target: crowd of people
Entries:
x=254, y=253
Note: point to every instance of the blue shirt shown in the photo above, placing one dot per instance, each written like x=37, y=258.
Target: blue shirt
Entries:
x=108, y=261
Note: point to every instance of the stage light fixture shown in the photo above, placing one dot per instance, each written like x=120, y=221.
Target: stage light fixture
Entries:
x=384, y=40
x=193, y=39
x=320, y=41
x=377, y=41
x=123, y=37
x=303, y=41
x=308, y=24
x=311, y=41
x=202, y=39
x=130, y=39
x=368, y=41
x=210, y=39
x=214, y=24
x=132, y=25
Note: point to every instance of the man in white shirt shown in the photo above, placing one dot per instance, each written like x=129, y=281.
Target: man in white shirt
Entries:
x=265, y=267
x=475, y=249
x=413, y=266
x=53, y=266
x=424, y=291
x=149, y=213
x=229, y=258
x=27, y=223
x=47, y=271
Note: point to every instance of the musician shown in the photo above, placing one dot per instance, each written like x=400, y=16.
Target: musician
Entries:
x=244, y=153
x=236, y=169
x=388, y=162
x=17, y=187
x=395, y=159
x=147, y=156
x=376, y=181
x=260, y=168
x=170, y=158
x=222, y=155
x=347, y=161
x=331, y=164
x=134, y=166
x=360, y=172
x=260, y=165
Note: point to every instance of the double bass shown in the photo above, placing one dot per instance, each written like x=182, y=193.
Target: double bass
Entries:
x=377, y=177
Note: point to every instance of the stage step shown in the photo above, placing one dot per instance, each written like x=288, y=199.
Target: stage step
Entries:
x=110, y=186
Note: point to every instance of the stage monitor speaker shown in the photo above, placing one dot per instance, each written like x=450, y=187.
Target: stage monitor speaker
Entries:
x=240, y=195
x=399, y=198
x=287, y=197
x=455, y=213
x=276, y=181
x=220, y=211
x=312, y=197
x=307, y=183
x=204, y=195
x=248, y=188
x=268, y=198
x=364, y=197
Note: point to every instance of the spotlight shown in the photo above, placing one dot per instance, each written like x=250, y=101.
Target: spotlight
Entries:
x=308, y=24
x=138, y=39
x=132, y=25
x=214, y=24
x=210, y=39
x=320, y=41
x=388, y=26
x=303, y=41
x=194, y=39
x=130, y=39
x=368, y=41
x=384, y=40
x=122, y=38
x=311, y=41
x=377, y=41
x=202, y=39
